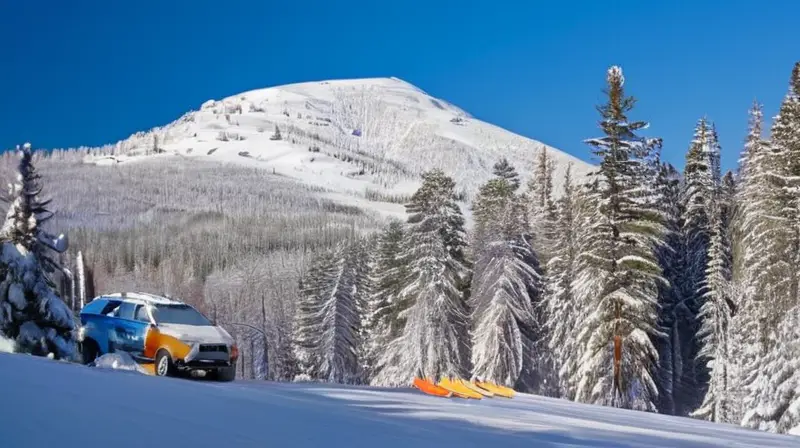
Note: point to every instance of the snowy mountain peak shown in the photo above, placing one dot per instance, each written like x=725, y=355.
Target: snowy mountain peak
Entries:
x=363, y=141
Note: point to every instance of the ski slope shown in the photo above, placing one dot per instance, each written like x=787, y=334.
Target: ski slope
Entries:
x=49, y=403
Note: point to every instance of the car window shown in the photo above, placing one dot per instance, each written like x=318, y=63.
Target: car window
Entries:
x=95, y=306
x=178, y=314
x=141, y=314
x=111, y=308
x=126, y=310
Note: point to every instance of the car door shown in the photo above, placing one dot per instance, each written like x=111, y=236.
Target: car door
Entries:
x=128, y=331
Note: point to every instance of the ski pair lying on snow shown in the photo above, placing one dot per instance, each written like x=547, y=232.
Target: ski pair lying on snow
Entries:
x=457, y=387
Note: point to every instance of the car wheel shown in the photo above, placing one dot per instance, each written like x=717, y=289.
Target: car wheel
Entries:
x=89, y=351
x=226, y=374
x=164, y=365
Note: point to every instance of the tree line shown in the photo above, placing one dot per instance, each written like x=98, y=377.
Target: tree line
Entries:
x=642, y=287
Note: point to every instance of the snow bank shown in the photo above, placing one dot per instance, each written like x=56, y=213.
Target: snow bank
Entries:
x=118, y=361
x=6, y=345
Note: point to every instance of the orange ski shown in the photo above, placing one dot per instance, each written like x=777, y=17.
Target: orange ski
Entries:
x=431, y=389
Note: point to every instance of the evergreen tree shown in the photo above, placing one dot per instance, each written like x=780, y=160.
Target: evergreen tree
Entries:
x=383, y=323
x=504, y=170
x=716, y=313
x=785, y=145
x=506, y=272
x=701, y=185
x=276, y=135
x=753, y=248
x=561, y=303
x=672, y=306
x=329, y=318
x=435, y=340
x=31, y=312
x=542, y=209
x=618, y=357
x=777, y=298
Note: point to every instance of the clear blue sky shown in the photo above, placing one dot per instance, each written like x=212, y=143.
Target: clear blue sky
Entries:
x=93, y=72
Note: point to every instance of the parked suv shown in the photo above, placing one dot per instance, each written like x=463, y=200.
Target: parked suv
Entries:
x=165, y=336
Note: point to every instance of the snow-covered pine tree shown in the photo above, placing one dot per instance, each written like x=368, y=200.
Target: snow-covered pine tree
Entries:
x=776, y=389
x=773, y=368
x=506, y=272
x=715, y=314
x=541, y=206
x=31, y=312
x=328, y=318
x=560, y=301
x=785, y=139
x=360, y=258
x=307, y=325
x=383, y=322
x=435, y=338
x=618, y=362
x=503, y=169
x=753, y=247
x=701, y=185
x=670, y=258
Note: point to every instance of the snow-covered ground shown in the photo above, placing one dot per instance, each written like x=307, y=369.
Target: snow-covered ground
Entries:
x=401, y=132
x=51, y=403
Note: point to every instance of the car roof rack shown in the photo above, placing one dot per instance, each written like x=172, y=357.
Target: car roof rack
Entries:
x=144, y=297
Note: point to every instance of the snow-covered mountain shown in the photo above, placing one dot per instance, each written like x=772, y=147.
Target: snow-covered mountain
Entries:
x=363, y=141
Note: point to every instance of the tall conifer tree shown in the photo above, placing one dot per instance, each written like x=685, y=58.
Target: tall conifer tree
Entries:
x=619, y=359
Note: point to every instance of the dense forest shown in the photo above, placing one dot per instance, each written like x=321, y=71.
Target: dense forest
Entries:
x=641, y=287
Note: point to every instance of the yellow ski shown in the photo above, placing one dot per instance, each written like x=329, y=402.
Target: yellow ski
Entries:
x=496, y=389
x=458, y=387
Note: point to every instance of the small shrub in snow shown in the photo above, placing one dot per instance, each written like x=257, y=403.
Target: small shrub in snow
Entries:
x=254, y=108
x=227, y=136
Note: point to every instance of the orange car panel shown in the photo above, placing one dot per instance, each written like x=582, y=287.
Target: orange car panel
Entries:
x=156, y=340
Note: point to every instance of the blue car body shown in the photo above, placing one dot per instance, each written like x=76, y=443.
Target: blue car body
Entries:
x=166, y=334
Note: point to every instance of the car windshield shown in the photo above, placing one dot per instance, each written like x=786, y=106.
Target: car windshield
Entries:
x=178, y=314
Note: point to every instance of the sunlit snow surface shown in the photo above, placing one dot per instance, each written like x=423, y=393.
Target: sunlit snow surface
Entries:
x=51, y=403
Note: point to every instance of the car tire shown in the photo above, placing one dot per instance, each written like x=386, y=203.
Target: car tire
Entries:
x=163, y=364
x=89, y=351
x=226, y=374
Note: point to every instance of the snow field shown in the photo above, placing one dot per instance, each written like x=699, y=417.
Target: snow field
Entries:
x=79, y=406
